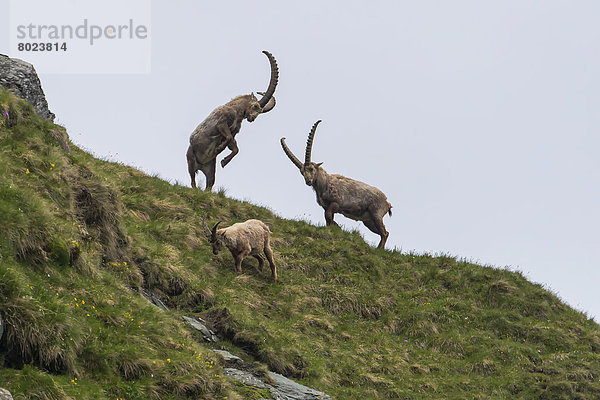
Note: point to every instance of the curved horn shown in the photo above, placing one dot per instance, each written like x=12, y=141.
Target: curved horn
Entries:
x=206, y=230
x=270, y=105
x=309, y=142
x=273, y=83
x=290, y=155
x=213, y=233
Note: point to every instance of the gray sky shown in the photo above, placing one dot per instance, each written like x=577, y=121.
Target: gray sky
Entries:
x=479, y=120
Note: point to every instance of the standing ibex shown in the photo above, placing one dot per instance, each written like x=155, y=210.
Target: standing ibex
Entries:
x=249, y=238
x=338, y=194
x=218, y=130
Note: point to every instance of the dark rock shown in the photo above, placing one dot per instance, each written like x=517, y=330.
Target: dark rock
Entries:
x=21, y=79
x=221, y=320
x=5, y=395
x=1, y=326
x=208, y=335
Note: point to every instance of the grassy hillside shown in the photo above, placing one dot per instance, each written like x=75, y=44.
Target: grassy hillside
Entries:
x=81, y=239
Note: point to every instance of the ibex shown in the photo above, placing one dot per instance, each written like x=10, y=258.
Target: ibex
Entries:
x=218, y=130
x=338, y=194
x=243, y=239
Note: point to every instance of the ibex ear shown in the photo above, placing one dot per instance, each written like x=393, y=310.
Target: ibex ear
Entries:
x=319, y=164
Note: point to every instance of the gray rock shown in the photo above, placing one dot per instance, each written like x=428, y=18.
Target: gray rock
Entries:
x=287, y=389
x=158, y=302
x=198, y=325
x=227, y=356
x=246, y=378
x=154, y=300
x=5, y=395
x=281, y=388
x=20, y=78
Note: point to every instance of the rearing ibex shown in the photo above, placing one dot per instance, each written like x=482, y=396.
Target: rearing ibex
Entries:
x=218, y=130
x=338, y=194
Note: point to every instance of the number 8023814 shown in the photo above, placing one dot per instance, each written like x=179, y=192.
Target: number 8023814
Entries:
x=42, y=46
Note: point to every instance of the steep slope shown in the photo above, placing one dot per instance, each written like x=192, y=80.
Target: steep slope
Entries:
x=84, y=242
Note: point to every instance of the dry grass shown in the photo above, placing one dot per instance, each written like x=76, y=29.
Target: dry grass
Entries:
x=132, y=369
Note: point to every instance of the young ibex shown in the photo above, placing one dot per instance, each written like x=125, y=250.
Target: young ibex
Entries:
x=243, y=239
x=338, y=194
x=218, y=130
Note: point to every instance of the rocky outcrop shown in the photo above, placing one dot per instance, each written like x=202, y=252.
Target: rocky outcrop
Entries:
x=5, y=395
x=287, y=389
x=280, y=387
x=20, y=78
x=228, y=357
x=199, y=325
x=154, y=300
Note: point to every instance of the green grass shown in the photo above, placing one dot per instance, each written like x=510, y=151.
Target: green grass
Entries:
x=345, y=318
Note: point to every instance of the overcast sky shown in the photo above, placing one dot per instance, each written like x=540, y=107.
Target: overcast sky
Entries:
x=479, y=120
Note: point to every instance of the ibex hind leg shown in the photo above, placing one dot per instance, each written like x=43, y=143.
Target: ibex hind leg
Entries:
x=261, y=262
x=375, y=225
x=269, y=254
x=192, y=167
x=192, y=172
x=209, y=170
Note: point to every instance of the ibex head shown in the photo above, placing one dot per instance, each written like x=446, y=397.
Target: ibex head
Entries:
x=309, y=169
x=215, y=241
x=267, y=101
x=253, y=108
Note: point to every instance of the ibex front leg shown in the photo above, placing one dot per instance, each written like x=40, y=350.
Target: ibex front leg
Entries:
x=229, y=141
x=261, y=262
x=239, y=257
x=238, y=263
x=329, y=213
